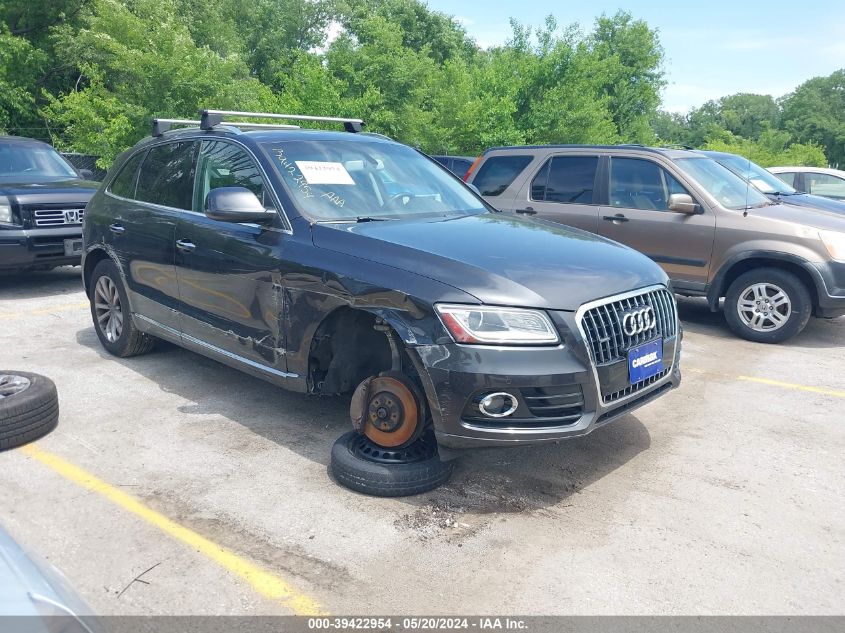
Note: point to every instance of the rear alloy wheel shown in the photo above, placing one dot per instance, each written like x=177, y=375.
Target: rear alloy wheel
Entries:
x=767, y=305
x=29, y=407
x=112, y=319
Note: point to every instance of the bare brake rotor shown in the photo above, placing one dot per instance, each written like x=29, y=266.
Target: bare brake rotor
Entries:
x=386, y=410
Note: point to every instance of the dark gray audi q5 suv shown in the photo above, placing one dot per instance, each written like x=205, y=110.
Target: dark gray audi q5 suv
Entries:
x=337, y=262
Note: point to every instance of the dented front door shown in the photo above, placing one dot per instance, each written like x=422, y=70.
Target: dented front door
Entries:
x=229, y=273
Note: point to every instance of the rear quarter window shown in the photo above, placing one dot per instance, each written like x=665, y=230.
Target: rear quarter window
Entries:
x=124, y=183
x=498, y=172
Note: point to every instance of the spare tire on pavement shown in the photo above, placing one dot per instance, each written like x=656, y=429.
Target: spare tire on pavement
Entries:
x=361, y=465
x=29, y=407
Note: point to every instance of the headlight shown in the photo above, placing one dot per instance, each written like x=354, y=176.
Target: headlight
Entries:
x=497, y=326
x=5, y=210
x=834, y=243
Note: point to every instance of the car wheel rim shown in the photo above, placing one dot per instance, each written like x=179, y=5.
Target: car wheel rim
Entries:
x=107, y=309
x=764, y=307
x=11, y=385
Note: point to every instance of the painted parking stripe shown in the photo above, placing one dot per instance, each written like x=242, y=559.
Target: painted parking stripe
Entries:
x=262, y=581
x=788, y=385
x=824, y=391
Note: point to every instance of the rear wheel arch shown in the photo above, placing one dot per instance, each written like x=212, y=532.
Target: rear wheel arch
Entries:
x=92, y=258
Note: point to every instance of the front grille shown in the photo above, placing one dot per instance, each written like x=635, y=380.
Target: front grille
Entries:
x=602, y=324
x=57, y=217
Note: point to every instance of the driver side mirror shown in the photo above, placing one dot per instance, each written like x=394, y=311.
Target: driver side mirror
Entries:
x=236, y=204
x=683, y=203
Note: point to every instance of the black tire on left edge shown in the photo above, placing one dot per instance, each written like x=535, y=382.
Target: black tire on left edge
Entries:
x=364, y=467
x=28, y=414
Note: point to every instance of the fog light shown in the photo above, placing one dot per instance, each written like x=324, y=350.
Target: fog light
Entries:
x=498, y=405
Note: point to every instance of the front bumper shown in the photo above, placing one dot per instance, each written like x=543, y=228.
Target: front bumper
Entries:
x=832, y=289
x=32, y=248
x=577, y=398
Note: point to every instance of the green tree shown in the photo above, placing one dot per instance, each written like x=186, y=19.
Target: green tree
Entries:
x=815, y=113
x=632, y=78
x=136, y=63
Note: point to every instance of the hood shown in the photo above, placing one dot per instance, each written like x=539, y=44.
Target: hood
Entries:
x=813, y=216
x=74, y=190
x=812, y=202
x=499, y=259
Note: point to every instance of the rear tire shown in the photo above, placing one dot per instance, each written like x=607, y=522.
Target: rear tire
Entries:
x=29, y=408
x=767, y=305
x=364, y=467
x=112, y=317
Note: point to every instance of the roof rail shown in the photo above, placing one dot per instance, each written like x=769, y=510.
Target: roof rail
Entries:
x=160, y=126
x=210, y=118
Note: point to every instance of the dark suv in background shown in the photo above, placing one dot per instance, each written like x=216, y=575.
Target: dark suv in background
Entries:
x=458, y=165
x=346, y=263
x=42, y=203
x=714, y=234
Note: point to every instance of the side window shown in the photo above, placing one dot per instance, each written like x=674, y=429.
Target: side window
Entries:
x=124, y=183
x=825, y=184
x=636, y=183
x=788, y=177
x=673, y=186
x=167, y=175
x=223, y=164
x=498, y=172
x=566, y=179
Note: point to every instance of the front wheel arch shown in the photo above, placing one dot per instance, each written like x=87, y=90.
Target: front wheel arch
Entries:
x=734, y=269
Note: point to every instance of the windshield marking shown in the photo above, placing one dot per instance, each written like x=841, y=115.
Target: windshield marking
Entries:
x=298, y=178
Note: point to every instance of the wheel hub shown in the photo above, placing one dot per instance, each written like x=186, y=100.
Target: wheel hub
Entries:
x=391, y=414
x=386, y=412
x=764, y=307
x=10, y=385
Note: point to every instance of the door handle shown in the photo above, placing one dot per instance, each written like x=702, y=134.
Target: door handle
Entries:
x=186, y=246
x=116, y=228
x=616, y=219
x=527, y=211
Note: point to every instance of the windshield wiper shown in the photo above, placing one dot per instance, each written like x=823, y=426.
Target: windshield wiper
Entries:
x=371, y=218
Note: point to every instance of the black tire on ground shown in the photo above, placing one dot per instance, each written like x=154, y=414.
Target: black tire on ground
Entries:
x=799, y=298
x=29, y=414
x=364, y=467
x=131, y=342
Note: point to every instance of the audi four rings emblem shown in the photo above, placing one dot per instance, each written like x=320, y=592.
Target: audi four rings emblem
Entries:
x=638, y=321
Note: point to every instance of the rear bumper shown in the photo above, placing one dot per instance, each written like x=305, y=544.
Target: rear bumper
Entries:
x=28, y=248
x=455, y=376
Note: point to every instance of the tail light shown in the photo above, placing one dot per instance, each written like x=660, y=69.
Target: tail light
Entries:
x=472, y=168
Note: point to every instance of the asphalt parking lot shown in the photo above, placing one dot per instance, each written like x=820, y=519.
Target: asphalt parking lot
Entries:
x=175, y=485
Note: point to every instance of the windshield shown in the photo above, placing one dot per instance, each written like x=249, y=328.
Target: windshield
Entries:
x=730, y=190
x=340, y=180
x=756, y=175
x=23, y=162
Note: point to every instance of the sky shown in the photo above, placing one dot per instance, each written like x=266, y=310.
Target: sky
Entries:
x=712, y=49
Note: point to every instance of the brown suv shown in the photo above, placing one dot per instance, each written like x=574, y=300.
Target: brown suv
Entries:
x=715, y=235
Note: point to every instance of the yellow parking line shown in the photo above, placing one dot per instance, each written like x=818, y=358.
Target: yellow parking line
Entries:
x=789, y=385
x=773, y=383
x=61, y=308
x=262, y=581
